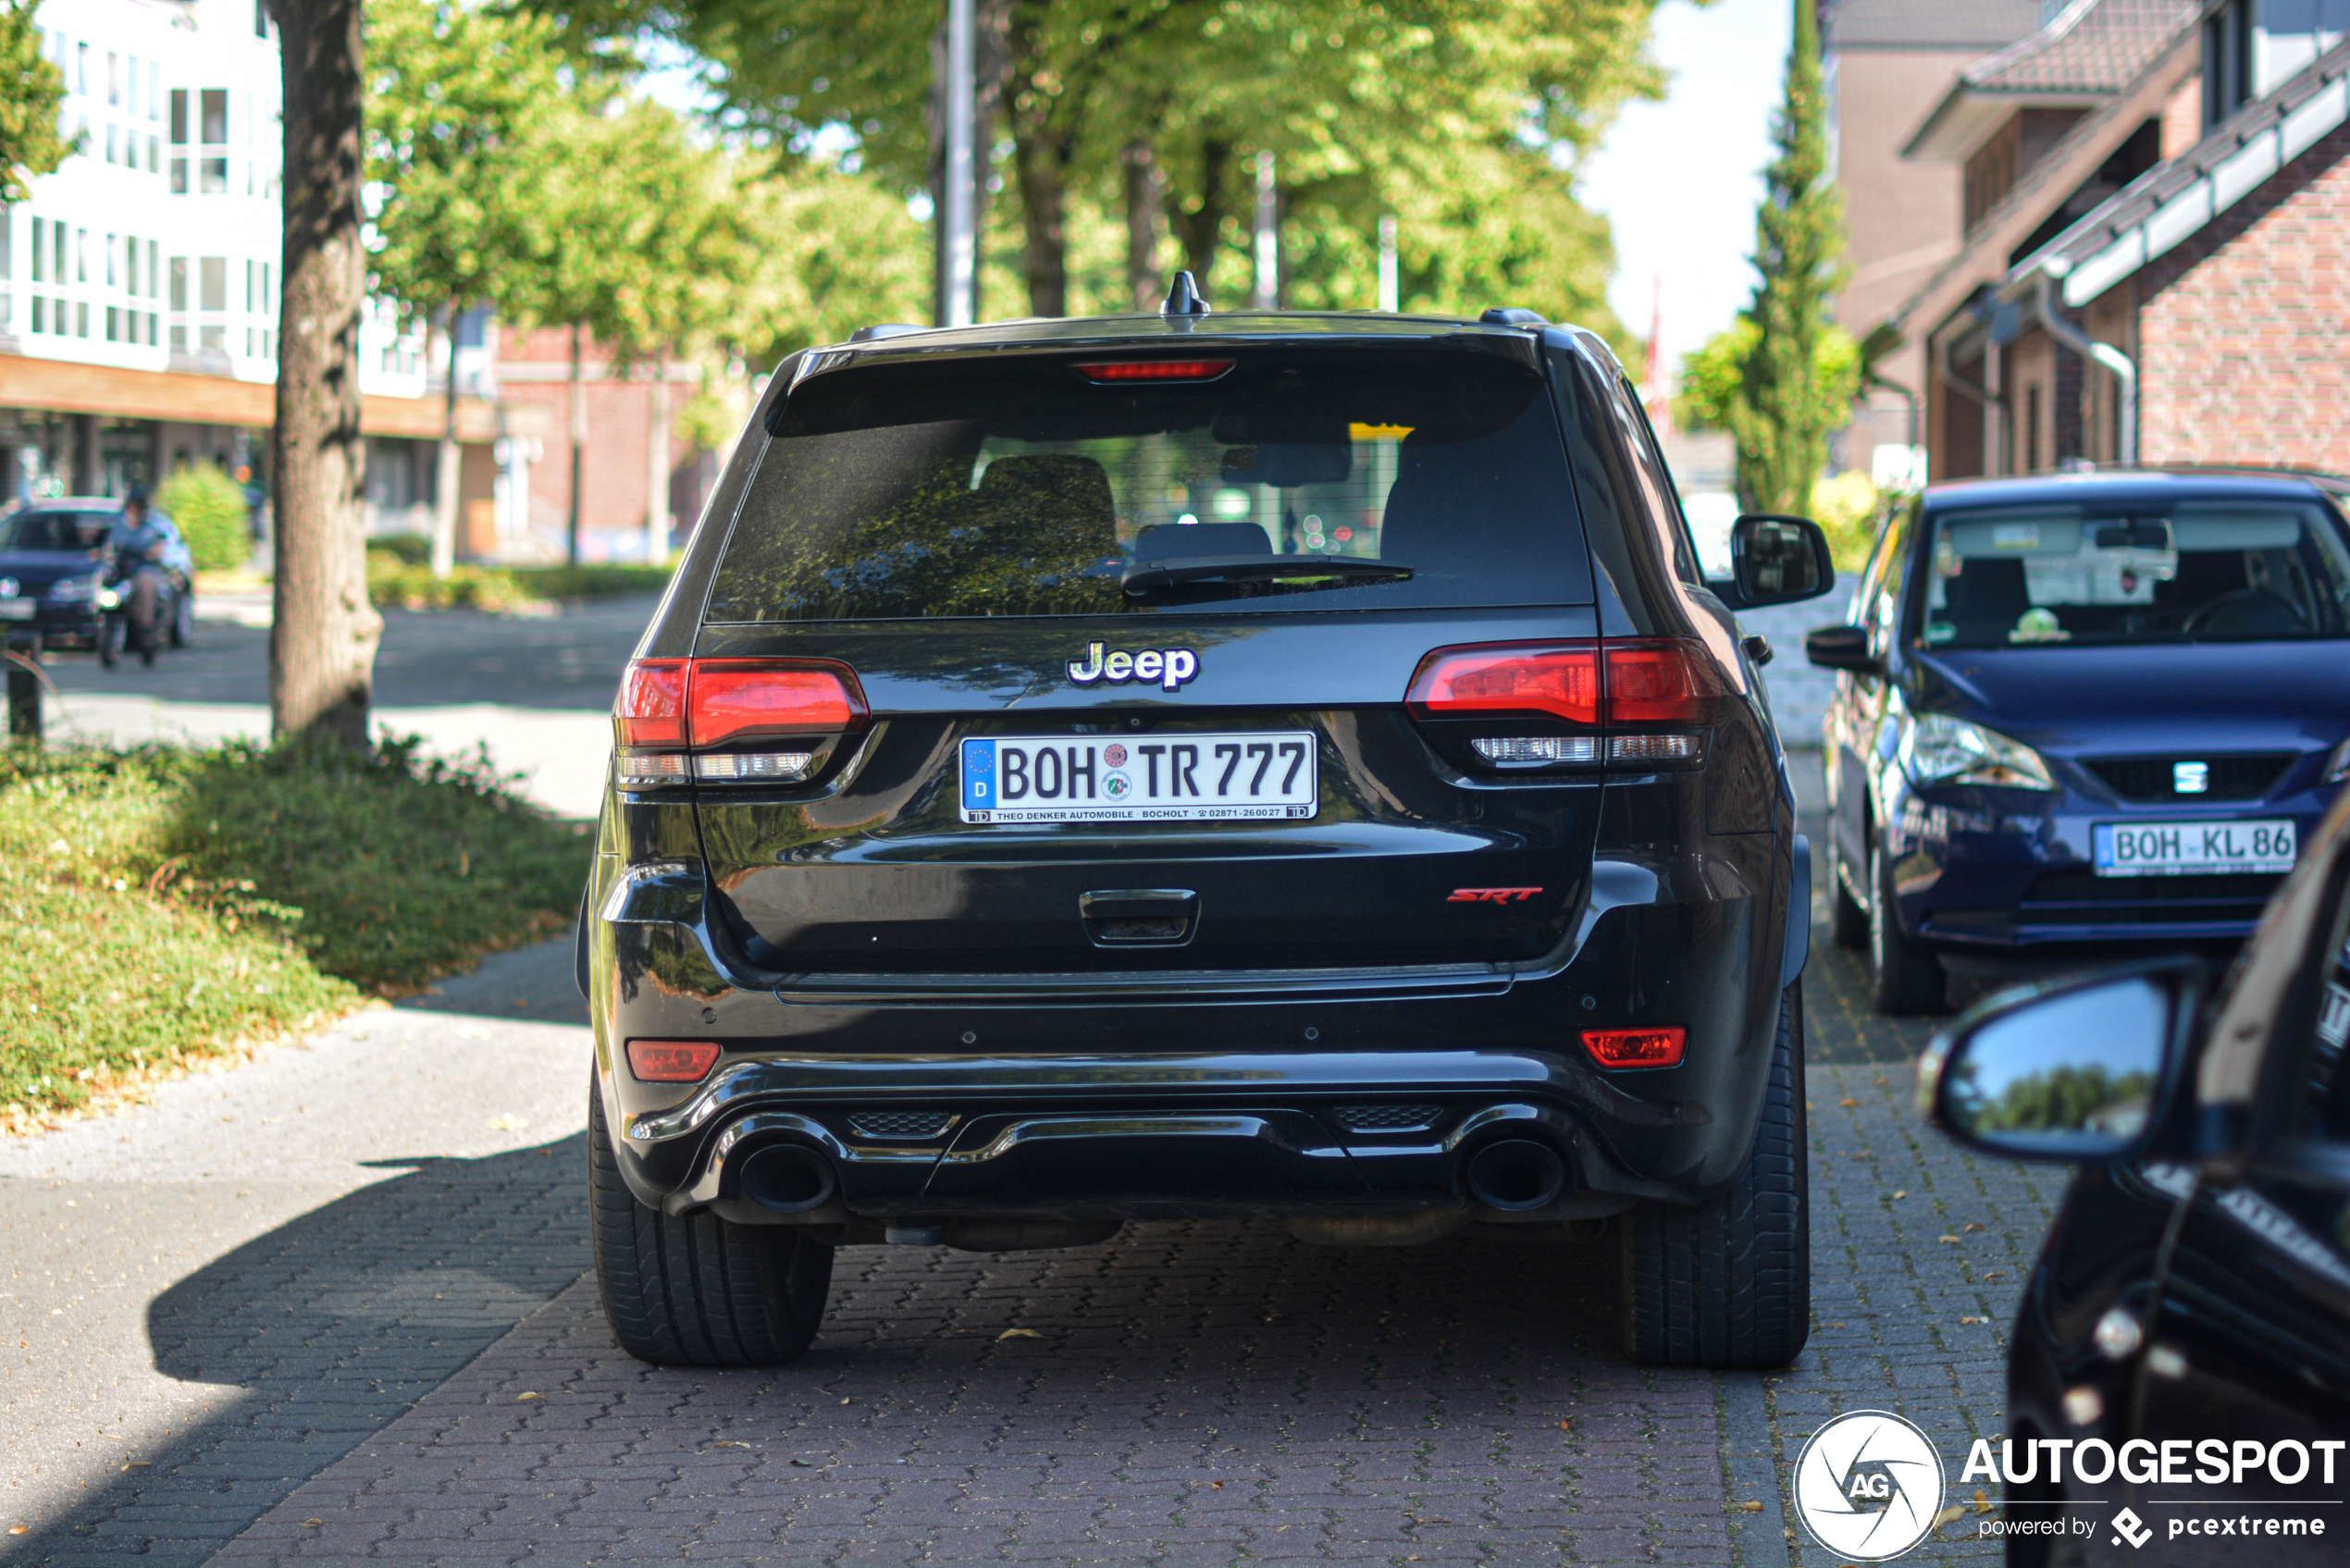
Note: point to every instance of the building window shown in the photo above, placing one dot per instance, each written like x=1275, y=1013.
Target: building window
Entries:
x=155, y=269
x=2227, y=61
x=81, y=318
x=40, y=313
x=178, y=140
x=40, y=270
x=214, y=126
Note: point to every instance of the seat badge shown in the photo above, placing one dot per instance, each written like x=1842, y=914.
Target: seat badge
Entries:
x=1170, y=667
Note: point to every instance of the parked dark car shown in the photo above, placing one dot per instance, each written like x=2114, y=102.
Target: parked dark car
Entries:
x=57, y=586
x=2081, y=714
x=2190, y=1308
x=1178, y=765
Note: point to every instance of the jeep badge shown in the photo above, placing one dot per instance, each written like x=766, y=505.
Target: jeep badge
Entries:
x=1171, y=667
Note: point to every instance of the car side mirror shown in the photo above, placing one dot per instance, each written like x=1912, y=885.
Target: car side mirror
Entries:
x=1841, y=647
x=1779, y=560
x=2078, y=1071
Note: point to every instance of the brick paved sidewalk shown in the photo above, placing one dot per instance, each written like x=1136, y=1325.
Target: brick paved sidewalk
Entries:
x=1215, y=1394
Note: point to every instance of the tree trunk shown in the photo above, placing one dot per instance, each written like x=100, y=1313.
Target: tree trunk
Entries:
x=657, y=465
x=578, y=447
x=447, y=466
x=323, y=631
x=1043, y=207
x=1146, y=213
x=1198, y=228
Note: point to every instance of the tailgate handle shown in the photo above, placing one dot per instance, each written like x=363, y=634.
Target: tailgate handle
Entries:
x=1158, y=916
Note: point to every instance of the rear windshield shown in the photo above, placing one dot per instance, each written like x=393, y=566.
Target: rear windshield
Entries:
x=48, y=529
x=1438, y=483
x=2197, y=572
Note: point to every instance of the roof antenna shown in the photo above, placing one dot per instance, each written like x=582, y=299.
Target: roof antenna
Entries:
x=1183, y=298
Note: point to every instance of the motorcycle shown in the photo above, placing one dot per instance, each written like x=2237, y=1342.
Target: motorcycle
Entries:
x=173, y=619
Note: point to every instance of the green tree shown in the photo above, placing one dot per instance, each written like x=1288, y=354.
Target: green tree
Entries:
x=30, y=90
x=1783, y=376
x=466, y=124
x=209, y=508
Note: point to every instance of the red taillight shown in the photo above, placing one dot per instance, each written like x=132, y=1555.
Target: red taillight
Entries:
x=651, y=710
x=745, y=696
x=672, y=1061
x=1660, y=680
x=1562, y=682
x=1156, y=370
x=677, y=702
x=1637, y=684
x=1659, y=1047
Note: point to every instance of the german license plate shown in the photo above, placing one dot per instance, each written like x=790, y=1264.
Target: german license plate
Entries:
x=17, y=609
x=1164, y=778
x=2192, y=849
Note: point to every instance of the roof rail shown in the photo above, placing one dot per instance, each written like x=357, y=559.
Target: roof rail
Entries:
x=885, y=329
x=1512, y=315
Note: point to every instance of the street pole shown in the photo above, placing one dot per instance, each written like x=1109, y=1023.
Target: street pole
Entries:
x=1390, y=292
x=1267, y=295
x=962, y=249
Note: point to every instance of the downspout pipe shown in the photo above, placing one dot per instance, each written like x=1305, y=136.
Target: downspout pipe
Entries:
x=2125, y=374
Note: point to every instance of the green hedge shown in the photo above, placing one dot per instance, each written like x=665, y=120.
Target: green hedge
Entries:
x=392, y=580
x=209, y=507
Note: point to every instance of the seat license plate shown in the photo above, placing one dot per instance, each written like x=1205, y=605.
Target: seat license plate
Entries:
x=17, y=609
x=2192, y=849
x=1169, y=778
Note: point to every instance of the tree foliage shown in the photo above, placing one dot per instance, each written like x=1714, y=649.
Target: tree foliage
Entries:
x=31, y=89
x=1783, y=376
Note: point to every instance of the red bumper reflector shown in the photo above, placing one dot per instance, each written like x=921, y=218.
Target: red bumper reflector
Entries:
x=1156, y=370
x=1636, y=1048
x=1562, y=682
x=672, y=1061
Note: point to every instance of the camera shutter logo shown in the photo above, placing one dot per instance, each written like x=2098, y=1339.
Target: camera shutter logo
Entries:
x=1868, y=1486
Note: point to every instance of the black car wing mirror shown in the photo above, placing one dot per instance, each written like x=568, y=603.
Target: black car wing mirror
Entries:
x=1779, y=560
x=1841, y=647
x=2079, y=1070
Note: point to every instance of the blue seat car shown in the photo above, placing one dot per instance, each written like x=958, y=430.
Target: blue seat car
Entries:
x=2082, y=714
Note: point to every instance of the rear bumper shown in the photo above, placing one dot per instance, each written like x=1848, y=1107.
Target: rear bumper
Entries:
x=1131, y=1136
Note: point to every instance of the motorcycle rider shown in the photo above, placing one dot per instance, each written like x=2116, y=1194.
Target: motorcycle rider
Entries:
x=136, y=542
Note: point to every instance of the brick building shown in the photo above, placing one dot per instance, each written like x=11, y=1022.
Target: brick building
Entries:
x=1886, y=61
x=2131, y=264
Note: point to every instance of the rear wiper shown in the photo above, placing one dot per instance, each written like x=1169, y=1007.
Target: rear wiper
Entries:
x=1145, y=576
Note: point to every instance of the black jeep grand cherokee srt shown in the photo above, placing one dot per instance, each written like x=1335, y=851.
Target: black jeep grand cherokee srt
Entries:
x=1265, y=764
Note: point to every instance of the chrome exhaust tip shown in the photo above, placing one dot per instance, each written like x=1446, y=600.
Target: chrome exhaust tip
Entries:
x=1516, y=1174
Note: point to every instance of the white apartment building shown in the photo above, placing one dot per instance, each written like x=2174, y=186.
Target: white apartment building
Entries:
x=139, y=282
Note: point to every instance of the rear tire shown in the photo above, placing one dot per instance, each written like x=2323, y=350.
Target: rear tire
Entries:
x=109, y=639
x=1727, y=1283
x=696, y=1291
x=1848, y=921
x=1904, y=977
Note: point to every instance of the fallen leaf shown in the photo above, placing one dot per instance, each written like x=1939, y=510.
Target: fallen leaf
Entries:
x=19, y=1530
x=529, y=1394
x=728, y=1443
x=314, y=1524
x=1848, y=1103
x=1982, y=1502
x=1567, y=1425
x=506, y=1123
x=1997, y=1274
x=804, y=1464
x=1881, y=1083
x=1902, y=1193
x=848, y=1401
x=1974, y=1320
x=1953, y=1511
x=1008, y=1334
x=138, y=1464
x=1948, y=1240
x=1218, y=1486
x=1752, y=1505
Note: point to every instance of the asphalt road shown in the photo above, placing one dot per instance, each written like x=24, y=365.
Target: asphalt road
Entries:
x=533, y=691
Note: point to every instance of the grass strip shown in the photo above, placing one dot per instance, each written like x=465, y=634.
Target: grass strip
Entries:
x=168, y=903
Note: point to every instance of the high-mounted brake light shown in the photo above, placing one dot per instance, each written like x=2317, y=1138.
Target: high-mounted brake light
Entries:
x=1155, y=369
x=1659, y=1047
x=672, y=1061
x=668, y=705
